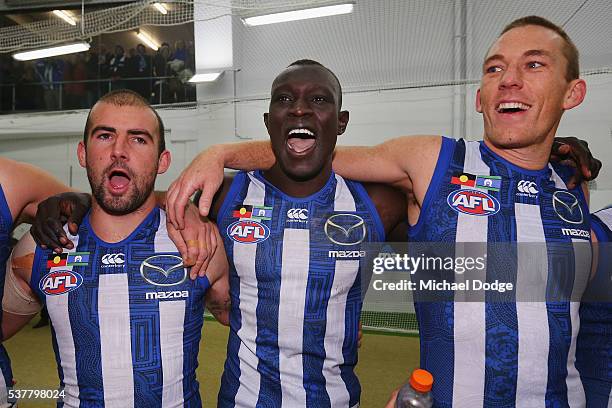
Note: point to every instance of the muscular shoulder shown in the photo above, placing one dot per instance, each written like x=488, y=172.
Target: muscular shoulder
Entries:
x=390, y=204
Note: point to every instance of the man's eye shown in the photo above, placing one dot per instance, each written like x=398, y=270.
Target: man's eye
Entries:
x=493, y=69
x=140, y=140
x=319, y=99
x=283, y=98
x=535, y=64
x=103, y=136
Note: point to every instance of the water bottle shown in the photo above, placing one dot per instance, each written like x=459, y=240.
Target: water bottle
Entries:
x=415, y=393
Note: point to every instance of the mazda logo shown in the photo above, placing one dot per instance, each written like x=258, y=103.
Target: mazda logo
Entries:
x=345, y=229
x=163, y=270
x=567, y=207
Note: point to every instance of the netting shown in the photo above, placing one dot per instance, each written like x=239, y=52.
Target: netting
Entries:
x=132, y=16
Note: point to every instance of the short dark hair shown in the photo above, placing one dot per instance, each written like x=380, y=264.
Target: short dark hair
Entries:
x=569, y=49
x=309, y=62
x=126, y=97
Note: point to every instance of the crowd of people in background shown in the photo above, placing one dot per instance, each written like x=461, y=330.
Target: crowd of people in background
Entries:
x=76, y=81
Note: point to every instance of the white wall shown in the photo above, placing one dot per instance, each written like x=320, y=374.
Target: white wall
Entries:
x=375, y=117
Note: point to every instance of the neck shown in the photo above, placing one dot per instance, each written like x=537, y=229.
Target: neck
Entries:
x=295, y=188
x=115, y=228
x=532, y=157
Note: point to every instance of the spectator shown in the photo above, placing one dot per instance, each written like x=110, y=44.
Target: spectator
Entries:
x=91, y=72
x=160, y=65
x=117, y=67
x=75, y=91
x=144, y=69
x=50, y=72
x=27, y=92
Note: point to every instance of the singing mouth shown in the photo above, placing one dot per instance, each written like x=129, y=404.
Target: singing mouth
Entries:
x=301, y=140
x=512, y=107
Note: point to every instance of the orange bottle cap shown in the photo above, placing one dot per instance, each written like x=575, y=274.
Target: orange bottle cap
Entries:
x=421, y=380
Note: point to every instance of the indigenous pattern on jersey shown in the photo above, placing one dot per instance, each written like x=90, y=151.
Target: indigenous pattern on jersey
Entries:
x=295, y=286
x=500, y=351
x=126, y=318
x=6, y=226
x=594, y=348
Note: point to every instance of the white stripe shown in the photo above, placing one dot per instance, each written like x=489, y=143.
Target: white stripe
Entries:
x=582, y=257
x=559, y=183
x=344, y=278
x=244, y=261
x=115, y=340
x=171, y=325
x=610, y=400
x=57, y=306
x=605, y=216
x=294, y=279
x=469, y=323
x=532, y=316
x=3, y=390
x=343, y=200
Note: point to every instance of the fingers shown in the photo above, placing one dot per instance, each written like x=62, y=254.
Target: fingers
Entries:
x=180, y=244
x=392, y=398
x=54, y=236
x=76, y=217
x=170, y=199
x=208, y=192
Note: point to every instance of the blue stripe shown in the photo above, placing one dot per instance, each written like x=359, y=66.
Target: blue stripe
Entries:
x=231, y=372
x=268, y=295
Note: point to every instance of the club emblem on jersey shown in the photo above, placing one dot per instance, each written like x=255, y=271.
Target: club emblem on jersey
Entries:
x=567, y=207
x=163, y=270
x=345, y=229
x=253, y=212
x=60, y=282
x=473, y=202
x=248, y=232
x=54, y=260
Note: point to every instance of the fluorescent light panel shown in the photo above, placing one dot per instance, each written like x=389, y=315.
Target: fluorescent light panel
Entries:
x=64, y=15
x=299, y=14
x=209, y=77
x=144, y=37
x=51, y=51
x=161, y=8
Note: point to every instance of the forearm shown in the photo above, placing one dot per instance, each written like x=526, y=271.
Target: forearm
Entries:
x=255, y=155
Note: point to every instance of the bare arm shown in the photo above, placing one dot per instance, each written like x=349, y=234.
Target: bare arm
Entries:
x=217, y=296
x=25, y=186
x=206, y=173
x=19, y=303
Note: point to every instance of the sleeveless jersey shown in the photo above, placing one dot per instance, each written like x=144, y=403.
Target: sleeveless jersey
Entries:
x=493, y=353
x=126, y=318
x=295, y=287
x=6, y=226
x=594, y=348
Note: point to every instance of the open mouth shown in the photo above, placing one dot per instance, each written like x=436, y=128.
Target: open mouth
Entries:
x=118, y=179
x=512, y=107
x=301, y=140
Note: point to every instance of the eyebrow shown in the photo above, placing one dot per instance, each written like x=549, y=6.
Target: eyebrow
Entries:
x=529, y=53
x=130, y=132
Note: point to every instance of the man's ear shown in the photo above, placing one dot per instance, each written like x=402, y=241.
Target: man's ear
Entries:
x=163, y=162
x=81, y=154
x=478, y=105
x=343, y=118
x=266, y=121
x=575, y=94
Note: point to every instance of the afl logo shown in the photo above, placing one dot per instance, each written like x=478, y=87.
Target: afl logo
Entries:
x=60, y=282
x=473, y=202
x=248, y=232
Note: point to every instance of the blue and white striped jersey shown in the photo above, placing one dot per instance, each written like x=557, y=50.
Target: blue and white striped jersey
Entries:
x=6, y=226
x=492, y=353
x=126, y=318
x=295, y=287
x=594, y=348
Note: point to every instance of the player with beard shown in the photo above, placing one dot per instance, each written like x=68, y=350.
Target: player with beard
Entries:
x=499, y=190
x=126, y=318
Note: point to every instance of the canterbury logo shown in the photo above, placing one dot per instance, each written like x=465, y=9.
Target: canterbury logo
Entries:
x=297, y=214
x=528, y=187
x=113, y=259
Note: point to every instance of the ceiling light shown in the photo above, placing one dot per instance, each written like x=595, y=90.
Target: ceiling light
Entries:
x=208, y=77
x=51, y=51
x=145, y=38
x=161, y=8
x=64, y=15
x=299, y=14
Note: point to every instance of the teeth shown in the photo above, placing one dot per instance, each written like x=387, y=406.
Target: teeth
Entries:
x=512, y=105
x=300, y=131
